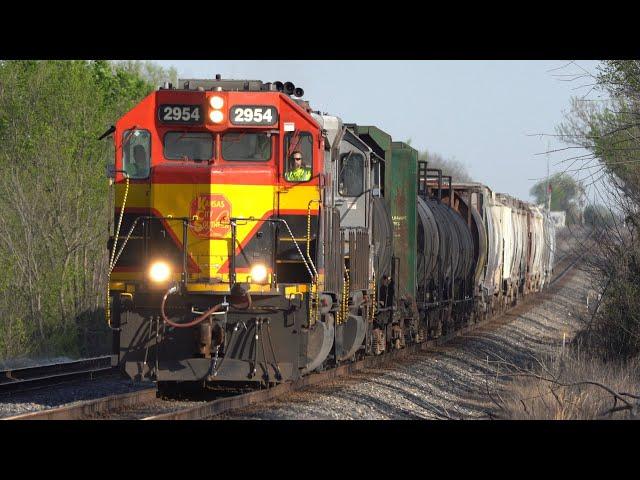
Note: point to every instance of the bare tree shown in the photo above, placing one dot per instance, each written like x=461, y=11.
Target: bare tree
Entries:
x=449, y=166
x=608, y=128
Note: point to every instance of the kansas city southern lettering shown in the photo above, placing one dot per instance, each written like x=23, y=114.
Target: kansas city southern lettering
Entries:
x=210, y=214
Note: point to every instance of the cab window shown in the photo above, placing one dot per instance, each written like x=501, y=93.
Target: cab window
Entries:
x=136, y=153
x=196, y=146
x=351, y=174
x=298, y=144
x=246, y=147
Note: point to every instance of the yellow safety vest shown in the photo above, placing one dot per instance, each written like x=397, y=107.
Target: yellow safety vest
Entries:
x=298, y=175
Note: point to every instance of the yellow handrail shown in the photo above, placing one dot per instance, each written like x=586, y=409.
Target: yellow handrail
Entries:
x=314, y=307
x=113, y=251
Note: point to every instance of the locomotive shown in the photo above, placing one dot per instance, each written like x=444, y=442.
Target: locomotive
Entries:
x=226, y=268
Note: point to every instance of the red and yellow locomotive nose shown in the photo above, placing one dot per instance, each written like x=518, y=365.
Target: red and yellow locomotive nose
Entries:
x=213, y=186
x=224, y=206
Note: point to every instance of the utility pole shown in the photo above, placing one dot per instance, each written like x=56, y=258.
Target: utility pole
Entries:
x=548, y=184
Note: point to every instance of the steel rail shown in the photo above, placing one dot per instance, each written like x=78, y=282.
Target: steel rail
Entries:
x=90, y=408
x=27, y=378
x=572, y=264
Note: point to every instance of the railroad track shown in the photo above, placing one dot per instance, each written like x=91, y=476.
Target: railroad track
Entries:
x=42, y=376
x=146, y=405
x=569, y=260
x=217, y=407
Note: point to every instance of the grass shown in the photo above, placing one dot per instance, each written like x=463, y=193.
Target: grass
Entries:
x=573, y=386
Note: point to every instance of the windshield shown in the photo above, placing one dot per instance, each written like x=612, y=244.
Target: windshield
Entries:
x=246, y=147
x=188, y=146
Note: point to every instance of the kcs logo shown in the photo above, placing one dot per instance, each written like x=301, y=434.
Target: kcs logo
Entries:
x=212, y=212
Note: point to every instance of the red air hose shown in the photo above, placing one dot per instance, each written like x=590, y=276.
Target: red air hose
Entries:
x=196, y=321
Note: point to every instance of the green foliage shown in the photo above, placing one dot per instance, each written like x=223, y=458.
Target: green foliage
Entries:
x=614, y=333
x=53, y=198
x=565, y=195
x=149, y=72
x=621, y=78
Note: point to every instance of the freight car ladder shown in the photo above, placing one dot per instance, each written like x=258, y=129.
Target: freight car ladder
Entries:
x=422, y=179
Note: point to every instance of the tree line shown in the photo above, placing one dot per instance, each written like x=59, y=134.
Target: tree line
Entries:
x=449, y=165
x=54, y=207
x=609, y=130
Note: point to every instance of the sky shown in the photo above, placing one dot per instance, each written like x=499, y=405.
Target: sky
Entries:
x=492, y=116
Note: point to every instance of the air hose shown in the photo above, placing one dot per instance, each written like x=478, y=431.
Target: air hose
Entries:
x=193, y=322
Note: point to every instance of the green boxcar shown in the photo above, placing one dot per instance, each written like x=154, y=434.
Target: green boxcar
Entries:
x=400, y=191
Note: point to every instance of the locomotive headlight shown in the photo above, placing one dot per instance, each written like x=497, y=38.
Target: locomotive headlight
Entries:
x=159, y=272
x=258, y=273
x=216, y=116
x=216, y=102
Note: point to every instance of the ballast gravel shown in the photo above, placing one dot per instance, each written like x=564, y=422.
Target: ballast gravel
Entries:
x=454, y=381
x=68, y=393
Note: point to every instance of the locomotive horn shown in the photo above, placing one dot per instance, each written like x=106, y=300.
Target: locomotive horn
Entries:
x=289, y=88
x=279, y=86
x=109, y=131
x=299, y=92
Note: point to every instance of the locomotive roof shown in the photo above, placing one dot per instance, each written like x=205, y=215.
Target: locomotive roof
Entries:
x=225, y=85
x=231, y=85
